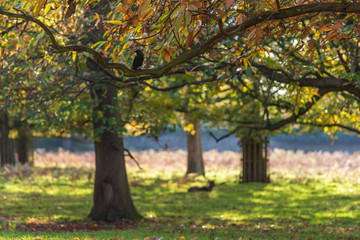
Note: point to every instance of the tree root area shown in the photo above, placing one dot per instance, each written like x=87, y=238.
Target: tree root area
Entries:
x=74, y=226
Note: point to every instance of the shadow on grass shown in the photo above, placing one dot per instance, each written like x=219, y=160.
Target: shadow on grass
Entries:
x=281, y=206
x=39, y=202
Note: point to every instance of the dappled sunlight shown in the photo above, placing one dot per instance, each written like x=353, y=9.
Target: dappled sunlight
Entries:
x=299, y=201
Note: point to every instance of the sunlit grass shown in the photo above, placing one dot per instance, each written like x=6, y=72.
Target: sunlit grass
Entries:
x=321, y=205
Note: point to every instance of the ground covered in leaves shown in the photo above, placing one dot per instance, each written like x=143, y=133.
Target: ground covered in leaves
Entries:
x=312, y=196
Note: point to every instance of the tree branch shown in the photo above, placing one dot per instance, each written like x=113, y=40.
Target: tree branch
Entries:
x=350, y=129
x=281, y=76
x=212, y=79
x=187, y=55
x=132, y=157
x=277, y=125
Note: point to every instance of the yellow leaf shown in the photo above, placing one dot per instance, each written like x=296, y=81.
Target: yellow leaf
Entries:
x=246, y=62
x=326, y=28
x=39, y=7
x=262, y=6
x=252, y=33
x=47, y=8
x=167, y=54
x=74, y=56
x=262, y=53
x=108, y=45
x=143, y=7
x=115, y=22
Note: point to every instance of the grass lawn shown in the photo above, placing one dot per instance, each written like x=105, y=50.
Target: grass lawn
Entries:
x=52, y=202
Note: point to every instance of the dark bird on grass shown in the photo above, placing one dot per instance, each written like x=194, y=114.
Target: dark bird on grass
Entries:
x=203, y=189
x=138, y=60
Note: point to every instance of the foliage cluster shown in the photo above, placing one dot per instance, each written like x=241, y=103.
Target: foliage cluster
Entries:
x=248, y=65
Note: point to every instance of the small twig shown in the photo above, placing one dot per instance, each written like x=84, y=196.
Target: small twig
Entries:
x=132, y=157
x=224, y=136
x=292, y=237
x=269, y=234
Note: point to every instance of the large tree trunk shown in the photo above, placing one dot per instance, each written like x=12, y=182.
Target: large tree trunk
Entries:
x=25, y=145
x=7, y=153
x=112, y=198
x=195, y=162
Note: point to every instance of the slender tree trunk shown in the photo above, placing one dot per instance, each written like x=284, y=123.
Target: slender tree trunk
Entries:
x=25, y=145
x=7, y=153
x=112, y=198
x=195, y=162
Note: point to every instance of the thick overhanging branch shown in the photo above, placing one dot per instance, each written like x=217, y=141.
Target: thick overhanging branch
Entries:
x=275, y=125
x=339, y=84
x=187, y=55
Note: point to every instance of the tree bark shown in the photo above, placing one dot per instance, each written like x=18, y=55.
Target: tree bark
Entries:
x=195, y=162
x=112, y=198
x=25, y=145
x=7, y=153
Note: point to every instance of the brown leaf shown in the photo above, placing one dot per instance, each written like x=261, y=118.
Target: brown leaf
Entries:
x=294, y=29
x=311, y=55
x=127, y=3
x=189, y=39
x=305, y=32
x=228, y=3
x=311, y=43
x=167, y=54
x=222, y=13
x=71, y=9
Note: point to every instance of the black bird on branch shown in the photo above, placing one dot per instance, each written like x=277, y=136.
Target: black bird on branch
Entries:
x=138, y=60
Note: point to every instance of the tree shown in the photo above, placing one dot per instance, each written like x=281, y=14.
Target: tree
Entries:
x=6, y=145
x=171, y=32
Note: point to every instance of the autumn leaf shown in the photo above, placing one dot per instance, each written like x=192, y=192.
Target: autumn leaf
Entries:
x=311, y=43
x=116, y=22
x=305, y=32
x=143, y=8
x=71, y=9
x=39, y=7
x=74, y=56
x=127, y=3
x=189, y=39
x=228, y=3
x=167, y=54
x=222, y=13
